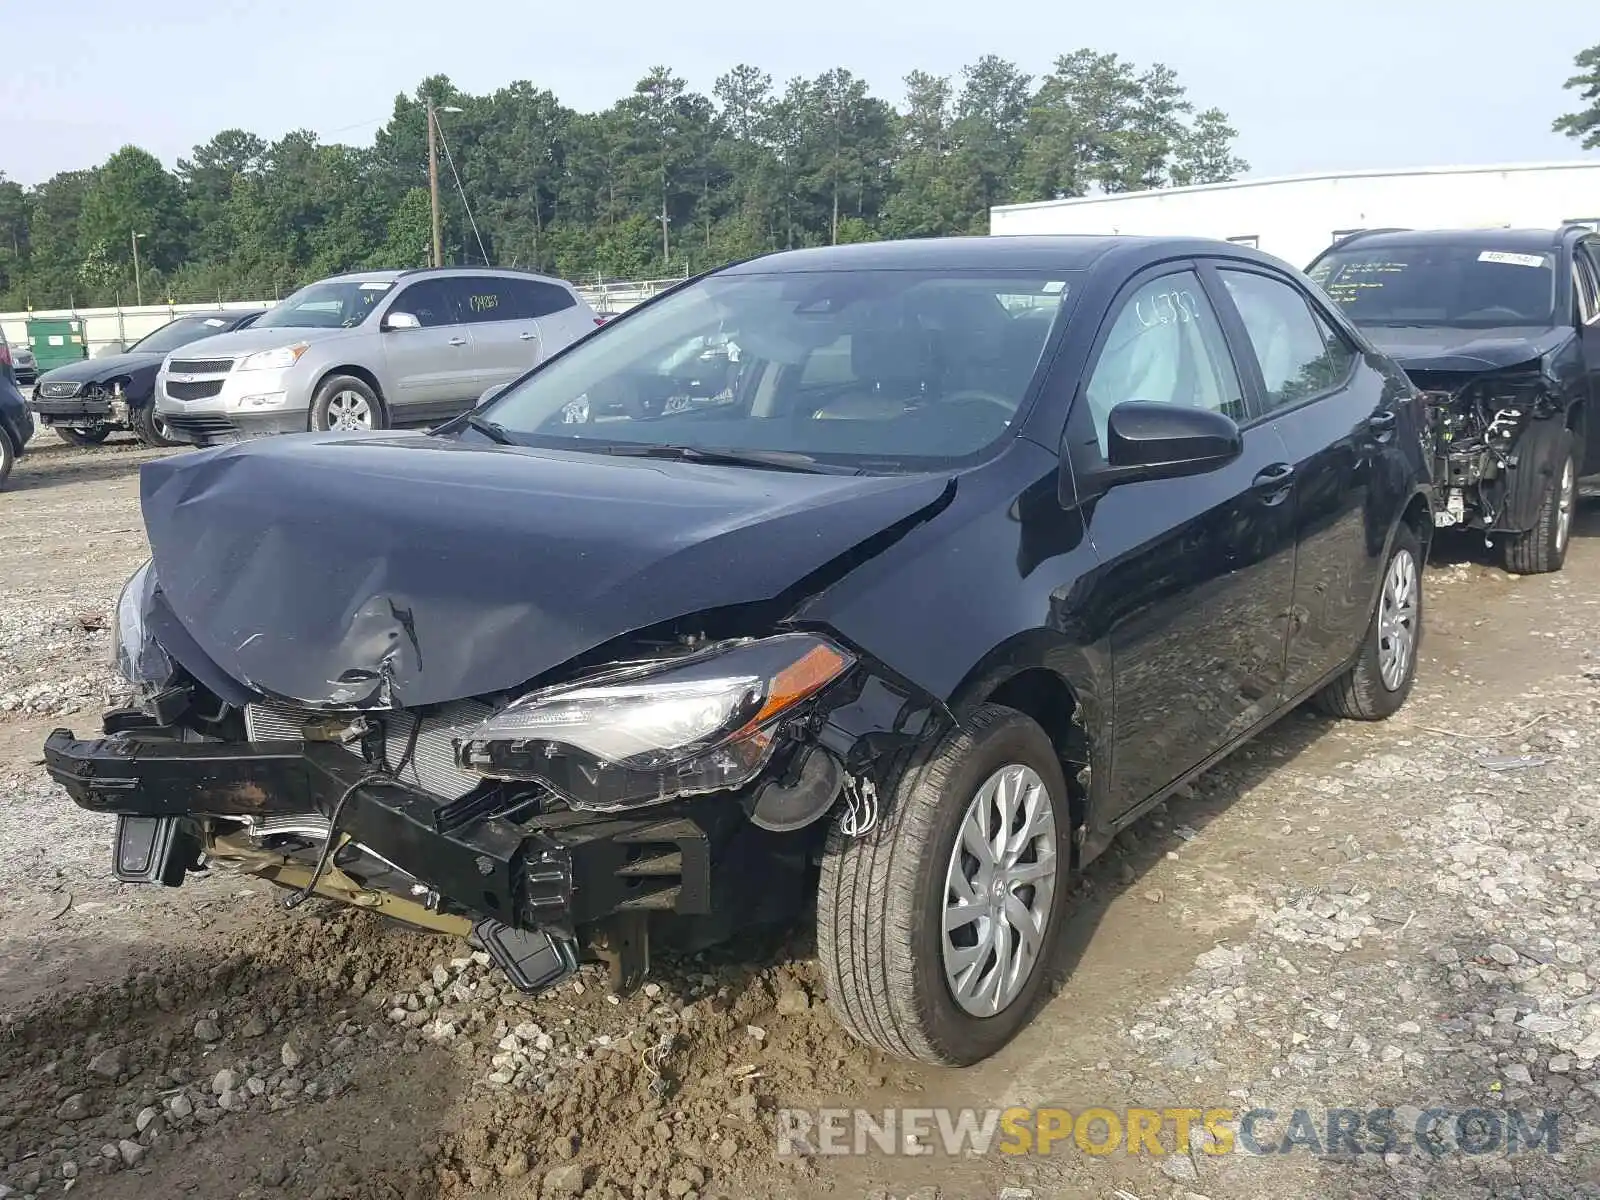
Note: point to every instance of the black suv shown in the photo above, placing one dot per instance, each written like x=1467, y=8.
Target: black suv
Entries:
x=1501, y=330
x=992, y=543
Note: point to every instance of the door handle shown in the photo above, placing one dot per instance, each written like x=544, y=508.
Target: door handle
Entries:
x=528, y=337
x=458, y=341
x=1381, y=422
x=1272, y=483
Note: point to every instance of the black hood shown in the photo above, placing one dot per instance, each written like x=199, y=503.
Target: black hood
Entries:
x=112, y=366
x=1428, y=349
x=408, y=569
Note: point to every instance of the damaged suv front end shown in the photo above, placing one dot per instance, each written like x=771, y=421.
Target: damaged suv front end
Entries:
x=1489, y=325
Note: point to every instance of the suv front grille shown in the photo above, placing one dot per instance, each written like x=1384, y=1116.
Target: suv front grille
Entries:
x=432, y=765
x=51, y=390
x=202, y=390
x=200, y=366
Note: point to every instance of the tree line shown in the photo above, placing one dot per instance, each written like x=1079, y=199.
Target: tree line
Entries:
x=666, y=181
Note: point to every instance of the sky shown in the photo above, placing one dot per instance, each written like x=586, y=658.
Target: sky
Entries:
x=1310, y=87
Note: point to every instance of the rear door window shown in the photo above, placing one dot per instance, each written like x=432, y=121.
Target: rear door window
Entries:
x=488, y=298
x=1290, y=348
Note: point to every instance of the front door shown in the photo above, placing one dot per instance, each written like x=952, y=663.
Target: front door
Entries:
x=430, y=369
x=1198, y=571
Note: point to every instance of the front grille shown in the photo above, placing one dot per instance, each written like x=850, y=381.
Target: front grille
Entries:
x=202, y=428
x=52, y=390
x=81, y=406
x=432, y=765
x=200, y=366
x=203, y=390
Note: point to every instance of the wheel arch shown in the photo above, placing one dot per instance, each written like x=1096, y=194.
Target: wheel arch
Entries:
x=355, y=371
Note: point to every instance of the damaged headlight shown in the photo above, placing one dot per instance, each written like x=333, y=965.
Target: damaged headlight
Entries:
x=702, y=724
x=136, y=655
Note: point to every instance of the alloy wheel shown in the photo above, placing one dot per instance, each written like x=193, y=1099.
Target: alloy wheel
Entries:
x=1566, y=498
x=349, y=412
x=1397, y=620
x=999, y=890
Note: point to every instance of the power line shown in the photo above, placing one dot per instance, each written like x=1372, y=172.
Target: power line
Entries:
x=450, y=158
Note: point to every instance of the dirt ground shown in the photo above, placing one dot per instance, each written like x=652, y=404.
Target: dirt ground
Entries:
x=1341, y=917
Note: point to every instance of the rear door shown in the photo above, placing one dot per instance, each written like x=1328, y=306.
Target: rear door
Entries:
x=1340, y=426
x=1198, y=571
x=505, y=334
x=430, y=369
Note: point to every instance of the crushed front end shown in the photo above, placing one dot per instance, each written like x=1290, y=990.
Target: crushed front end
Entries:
x=677, y=793
x=1490, y=432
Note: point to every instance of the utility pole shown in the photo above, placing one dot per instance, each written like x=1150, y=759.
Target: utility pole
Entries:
x=433, y=188
x=138, y=287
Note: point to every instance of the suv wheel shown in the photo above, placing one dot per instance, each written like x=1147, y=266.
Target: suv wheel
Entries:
x=151, y=428
x=8, y=458
x=345, y=404
x=934, y=929
x=1380, y=679
x=1543, y=548
x=83, y=437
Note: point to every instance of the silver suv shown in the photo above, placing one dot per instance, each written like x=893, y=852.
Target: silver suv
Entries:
x=370, y=350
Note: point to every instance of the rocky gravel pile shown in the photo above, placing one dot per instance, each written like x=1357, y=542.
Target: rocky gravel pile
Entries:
x=53, y=659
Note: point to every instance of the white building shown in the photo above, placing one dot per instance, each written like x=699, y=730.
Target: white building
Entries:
x=1296, y=217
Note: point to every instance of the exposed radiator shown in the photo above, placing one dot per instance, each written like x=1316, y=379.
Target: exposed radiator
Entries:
x=432, y=765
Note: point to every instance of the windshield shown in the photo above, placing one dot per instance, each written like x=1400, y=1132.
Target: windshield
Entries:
x=878, y=370
x=332, y=304
x=1440, y=285
x=177, y=333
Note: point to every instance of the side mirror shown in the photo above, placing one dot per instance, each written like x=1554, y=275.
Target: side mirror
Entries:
x=490, y=393
x=1147, y=440
x=401, y=320
x=1150, y=441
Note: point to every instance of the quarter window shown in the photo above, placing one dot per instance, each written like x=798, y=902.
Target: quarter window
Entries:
x=535, y=298
x=1296, y=361
x=1166, y=346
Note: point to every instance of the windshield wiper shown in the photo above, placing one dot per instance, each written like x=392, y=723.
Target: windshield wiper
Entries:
x=494, y=432
x=772, y=460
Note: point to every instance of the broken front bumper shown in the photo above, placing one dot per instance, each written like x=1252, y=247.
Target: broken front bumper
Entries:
x=547, y=873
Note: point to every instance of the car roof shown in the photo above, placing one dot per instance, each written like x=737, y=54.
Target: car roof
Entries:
x=1006, y=252
x=392, y=275
x=1486, y=239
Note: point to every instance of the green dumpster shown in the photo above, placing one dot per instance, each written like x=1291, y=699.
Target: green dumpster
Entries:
x=56, y=342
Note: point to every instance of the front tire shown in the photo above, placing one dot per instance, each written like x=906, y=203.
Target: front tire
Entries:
x=150, y=429
x=1380, y=679
x=345, y=404
x=1543, y=549
x=83, y=437
x=934, y=930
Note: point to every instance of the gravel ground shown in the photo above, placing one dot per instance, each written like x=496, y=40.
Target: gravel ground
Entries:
x=1397, y=917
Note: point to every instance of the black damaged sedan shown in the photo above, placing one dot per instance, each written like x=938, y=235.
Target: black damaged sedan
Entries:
x=986, y=546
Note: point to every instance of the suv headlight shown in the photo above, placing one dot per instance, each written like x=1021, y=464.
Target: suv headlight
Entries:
x=137, y=656
x=638, y=736
x=274, y=360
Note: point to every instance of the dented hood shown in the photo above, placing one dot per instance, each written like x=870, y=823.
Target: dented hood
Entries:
x=1430, y=349
x=407, y=569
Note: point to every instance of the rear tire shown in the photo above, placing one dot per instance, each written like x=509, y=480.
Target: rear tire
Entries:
x=887, y=898
x=8, y=458
x=1375, y=686
x=150, y=428
x=83, y=437
x=346, y=404
x=1543, y=549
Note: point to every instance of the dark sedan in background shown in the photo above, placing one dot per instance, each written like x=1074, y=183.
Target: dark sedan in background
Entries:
x=993, y=544
x=86, y=401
